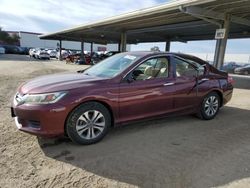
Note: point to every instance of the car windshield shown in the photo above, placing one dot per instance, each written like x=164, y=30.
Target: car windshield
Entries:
x=112, y=66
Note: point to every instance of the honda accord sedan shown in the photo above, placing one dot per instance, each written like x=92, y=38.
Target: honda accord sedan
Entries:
x=126, y=87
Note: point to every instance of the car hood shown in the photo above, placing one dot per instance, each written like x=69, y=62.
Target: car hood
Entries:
x=59, y=82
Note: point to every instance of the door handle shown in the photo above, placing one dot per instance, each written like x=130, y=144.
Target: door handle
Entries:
x=204, y=79
x=168, y=84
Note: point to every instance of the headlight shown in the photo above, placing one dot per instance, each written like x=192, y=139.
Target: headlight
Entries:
x=46, y=98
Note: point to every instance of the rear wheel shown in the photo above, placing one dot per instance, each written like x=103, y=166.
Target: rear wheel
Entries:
x=246, y=72
x=88, y=123
x=210, y=106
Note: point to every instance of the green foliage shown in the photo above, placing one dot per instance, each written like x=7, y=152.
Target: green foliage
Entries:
x=155, y=49
x=8, y=39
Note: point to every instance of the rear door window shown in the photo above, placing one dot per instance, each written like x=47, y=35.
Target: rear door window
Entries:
x=183, y=68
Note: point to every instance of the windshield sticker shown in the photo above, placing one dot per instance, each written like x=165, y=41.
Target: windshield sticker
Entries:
x=130, y=57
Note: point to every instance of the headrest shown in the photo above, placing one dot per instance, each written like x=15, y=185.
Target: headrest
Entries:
x=163, y=62
x=148, y=71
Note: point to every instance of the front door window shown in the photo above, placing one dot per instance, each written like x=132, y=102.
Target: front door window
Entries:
x=151, y=69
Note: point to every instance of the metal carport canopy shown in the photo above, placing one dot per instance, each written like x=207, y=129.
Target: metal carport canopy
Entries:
x=182, y=20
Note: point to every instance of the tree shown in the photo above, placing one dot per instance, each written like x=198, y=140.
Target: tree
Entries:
x=8, y=39
x=15, y=38
x=155, y=49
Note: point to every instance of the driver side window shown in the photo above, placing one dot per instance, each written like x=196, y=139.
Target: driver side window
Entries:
x=151, y=69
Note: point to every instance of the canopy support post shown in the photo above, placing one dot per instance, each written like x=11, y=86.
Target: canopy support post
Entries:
x=91, y=49
x=60, y=50
x=167, y=46
x=123, y=42
x=221, y=45
x=82, y=51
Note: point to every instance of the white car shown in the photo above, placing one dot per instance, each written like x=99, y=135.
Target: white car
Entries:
x=42, y=54
x=64, y=54
x=32, y=52
x=2, y=50
x=52, y=53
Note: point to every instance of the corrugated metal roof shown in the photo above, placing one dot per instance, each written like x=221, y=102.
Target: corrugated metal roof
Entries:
x=160, y=23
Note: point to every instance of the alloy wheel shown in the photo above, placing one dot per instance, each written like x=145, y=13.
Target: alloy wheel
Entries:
x=211, y=106
x=90, y=124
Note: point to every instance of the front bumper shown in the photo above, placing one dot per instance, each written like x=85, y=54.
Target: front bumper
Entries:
x=41, y=120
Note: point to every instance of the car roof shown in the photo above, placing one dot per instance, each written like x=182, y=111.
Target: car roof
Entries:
x=152, y=53
x=156, y=53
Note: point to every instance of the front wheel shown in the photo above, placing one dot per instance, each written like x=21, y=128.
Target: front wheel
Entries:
x=88, y=123
x=210, y=106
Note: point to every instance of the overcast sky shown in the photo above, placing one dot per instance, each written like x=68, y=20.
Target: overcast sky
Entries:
x=53, y=15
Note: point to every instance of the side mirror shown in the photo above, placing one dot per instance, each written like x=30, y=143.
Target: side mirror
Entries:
x=130, y=78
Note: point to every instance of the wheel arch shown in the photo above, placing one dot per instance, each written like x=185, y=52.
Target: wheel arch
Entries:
x=94, y=100
x=219, y=93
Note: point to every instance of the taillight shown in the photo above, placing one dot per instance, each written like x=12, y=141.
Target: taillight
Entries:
x=230, y=80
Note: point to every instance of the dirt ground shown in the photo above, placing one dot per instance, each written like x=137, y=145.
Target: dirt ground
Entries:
x=173, y=152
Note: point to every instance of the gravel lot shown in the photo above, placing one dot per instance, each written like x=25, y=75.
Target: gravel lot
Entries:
x=174, y=152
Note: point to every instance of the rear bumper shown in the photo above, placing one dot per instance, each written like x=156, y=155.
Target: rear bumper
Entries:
x=227, y=94
x=227, y=97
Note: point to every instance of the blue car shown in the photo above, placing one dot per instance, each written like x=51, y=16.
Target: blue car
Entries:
x=229, y=67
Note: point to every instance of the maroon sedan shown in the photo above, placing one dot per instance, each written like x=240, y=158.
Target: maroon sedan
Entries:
x=123, y=88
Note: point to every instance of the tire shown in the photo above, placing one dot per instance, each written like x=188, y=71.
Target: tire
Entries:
x=246, y=72
x=88, y=123
x=210, y=106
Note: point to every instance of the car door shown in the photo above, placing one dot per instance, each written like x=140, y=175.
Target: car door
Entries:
x=147, y=90
x=185, y=84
